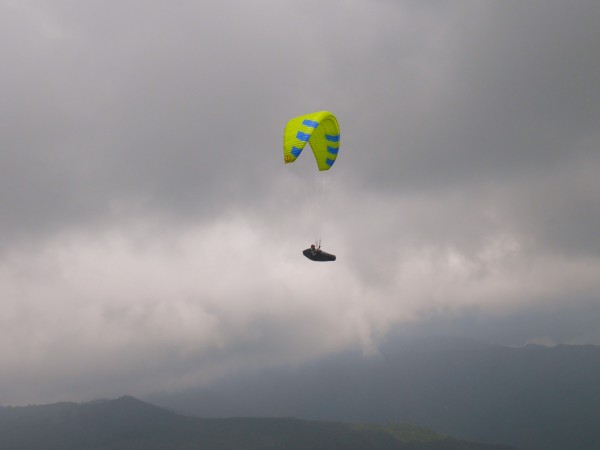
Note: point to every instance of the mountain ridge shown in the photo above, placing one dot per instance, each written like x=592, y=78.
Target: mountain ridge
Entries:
x=540, y=398
x=128, y=423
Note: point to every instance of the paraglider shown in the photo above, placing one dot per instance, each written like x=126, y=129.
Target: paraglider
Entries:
x=316, y=254
x=321, y=130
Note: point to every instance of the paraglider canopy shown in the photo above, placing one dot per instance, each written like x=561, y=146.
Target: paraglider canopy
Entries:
x=321, y=130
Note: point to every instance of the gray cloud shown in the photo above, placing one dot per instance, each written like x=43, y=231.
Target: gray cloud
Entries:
x=150, y=234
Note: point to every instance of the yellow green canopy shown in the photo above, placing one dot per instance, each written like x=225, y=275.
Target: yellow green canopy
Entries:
x=321, y=130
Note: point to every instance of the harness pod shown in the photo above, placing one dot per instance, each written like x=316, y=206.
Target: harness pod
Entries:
x=319, y=256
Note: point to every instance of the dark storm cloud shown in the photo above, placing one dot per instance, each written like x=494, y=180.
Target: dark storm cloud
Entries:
x=515, y=93
x=176, y=108
x=496, y=114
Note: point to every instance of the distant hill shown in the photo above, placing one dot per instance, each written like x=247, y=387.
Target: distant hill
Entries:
x=129, y=424
x=534, y=397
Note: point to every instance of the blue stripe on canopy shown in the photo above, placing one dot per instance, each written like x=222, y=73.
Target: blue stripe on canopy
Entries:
x=332, y=137
x=330, y=162
x=310, y=123
x=296, y=151
x=333, y=150
x=302, y=136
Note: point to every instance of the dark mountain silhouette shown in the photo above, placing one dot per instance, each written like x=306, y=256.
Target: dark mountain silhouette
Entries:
x=533, y=397
x=127, y=424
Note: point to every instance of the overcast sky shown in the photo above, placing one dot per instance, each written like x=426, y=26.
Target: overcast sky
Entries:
x=151, y=236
